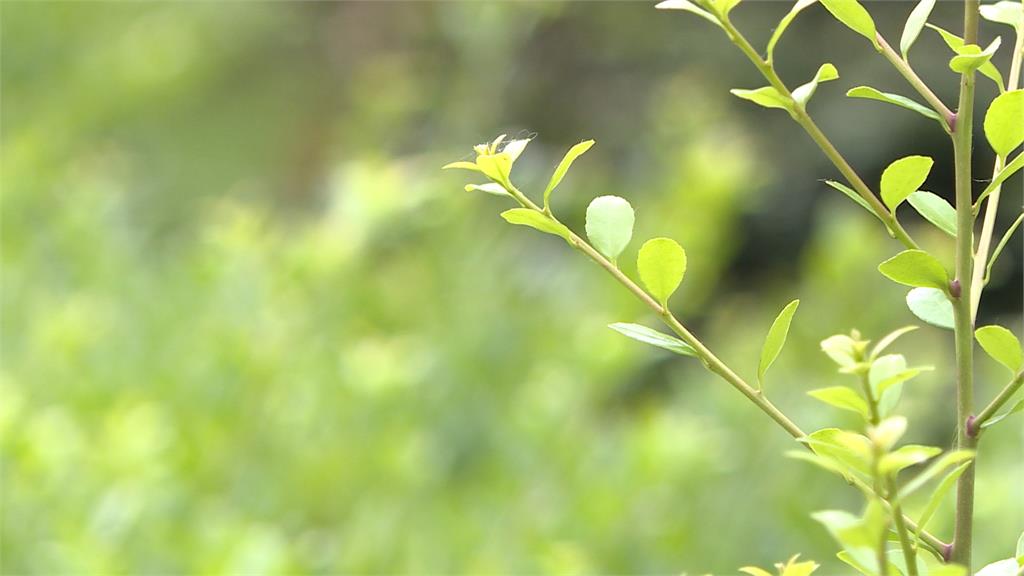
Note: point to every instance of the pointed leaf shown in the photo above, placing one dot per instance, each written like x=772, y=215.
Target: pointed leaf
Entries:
x=888, y=339
x=935, y=469
x=902, y=101
x=784, y=23
x=915, y=23
x=850, y=449
x=766, y=96
x=1001, y=345
x=842, y=397
x=854, y=16
x=939, y=494
x=755, y=571
x=563, y=167
x=931, y=305
x=972, y=57
x=804, y=92
x=1012, y=167
x=906, y=456
x=995, y=419
x=882, y=369
x=462, y=165
x=915, y=268
x=852, y=194
x=823, y=462
x=662, y=264
x=1005, y=12
x=903, y=177
x=688, y=6
x=538, y=221
x=610, y=225
x=497, y=167
x=490, y=188
x=936, y=210
x=900, y=377
x=1004, y=122
x=653, y=337
x=776, y=339
x=888, y=432
x=956, y=44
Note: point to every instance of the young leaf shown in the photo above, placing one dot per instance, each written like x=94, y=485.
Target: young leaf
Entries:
x=538, y=221
x=723, y=7
x=823, y=462
x=931, y=305
x=497, y=167
x=794, y=568
x=490, y=188
x=563, y=167
x=934, y=469
x=888, y=339
x=775, y=339
x=1004, y=122
x=804, y=92
x=1005, y=12
x=1012, y=167
x=1000, y=344
x=906, y=456
x=662, y=264
x=882, y=369
x=766, y=96
x=939, y=494
x=842, y=397
x=462, y=165
x=755, y=571
x=972, y=57
x=915, y=268
x=850, y=449
x=873, y=94
x=515, y=147
x=610, y=225
x=956, y=44
x=899, y=378
x=841, y=349
x=854, y=16
x=784, y=23
x=852, y=194
x=902, y=178
x=995, y=419
x=690, y=7
x=653, y=337
x=888, y=432
x=935, y=210
x=915, y=23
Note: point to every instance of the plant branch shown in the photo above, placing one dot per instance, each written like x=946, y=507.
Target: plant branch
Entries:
x=964, y=323
x=903, y=67
x=799, y=114
x=992, y=206
x=975, y=423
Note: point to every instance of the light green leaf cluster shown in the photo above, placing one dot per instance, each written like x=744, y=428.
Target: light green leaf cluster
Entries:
x=973, y=55
x=661, y=263
x=902, y=178
x=775, y=339
x=915, y=268
x=855, y=17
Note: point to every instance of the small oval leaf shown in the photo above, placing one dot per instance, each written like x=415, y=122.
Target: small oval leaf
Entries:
x=935, y=210
x=1004, y=122
x=915, y=268
x=610, y=225
x=931, y=305
x=1001, y=345
x=662, y=264
x=776, y=339
x=902, y=178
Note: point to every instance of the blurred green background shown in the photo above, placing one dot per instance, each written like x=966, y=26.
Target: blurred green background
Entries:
x=250, y=327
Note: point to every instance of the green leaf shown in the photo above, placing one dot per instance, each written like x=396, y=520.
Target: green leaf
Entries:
x=859, y=536
x=902, y=178
x=775, y=339
x=497, y=167
x=1007, y=171
x=841, y=349
x=1000, y=344
x=906, y=456
x=842, y=397
x=934, y=469
x=902, y=101
x=936, y=210
x=610, y=225
x=538, y=221
x=972, y=57
x=888, y=432
x=939, y=494
x=462, y=165
x=755, y=571
x=766, y=96
x=1008, y=567
x=688, y=6
x=723, y=7
x=915, y=268
x=515, y=148
x=851, y=450
x=1004, y=122
x=784, y=23
x=888, y=339
x=852, y=194
x=1006, y=12
x=995, y=419
x=900, y=377
x=931, y=305
x=490, y=188
x=1002, y=244
x=1020, y=548
x=820, y=461
x=662, y=264
x=826, y=72
x=854, y=16
x=882, y=369
x=563, y=167
x=653, y=337
x=956, y=44
x=915, y=23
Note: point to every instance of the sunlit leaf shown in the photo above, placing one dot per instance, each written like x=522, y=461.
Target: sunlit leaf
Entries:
x=766, y=96
x=1008, y=567
x=823, y=462
x=538, y=221
x=850, y=449
x=1009, y=170
x=610, y=225
x=915, y=23
x=854, y=16
x=900, y=377
x=956, y=44
x=688, y=6
x=852, y=194
x=826, y=72
x=662, y=264
x=1007, y=12
x=915, y=268
x=794, y=568
x=841, y=349
x=939, y=494
x=515, y=147
x=653, y=337
x=490, y=188
x=776, y=339
x=1000, y=344
x=903, y=177
x=563, y=167
x=931, y=305
x=888, y=432
x=935, y=469
x=842, y=397
x=755, y=571
x=902, y=101
x=906, y=456
x=497, y=167
x=936, y=210
x=461, y=165
x=1004, y=122
x=972, y=57
x=882, y=369
x=784, y=23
